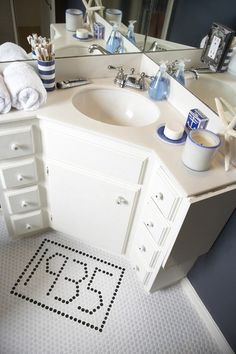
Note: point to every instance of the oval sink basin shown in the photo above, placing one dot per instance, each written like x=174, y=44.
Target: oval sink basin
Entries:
x=116, y=107
x=206, y=88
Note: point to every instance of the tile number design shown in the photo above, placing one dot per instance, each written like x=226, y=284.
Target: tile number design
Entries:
x=71, y=283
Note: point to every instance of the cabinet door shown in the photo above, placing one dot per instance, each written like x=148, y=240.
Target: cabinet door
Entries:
x=92, y=209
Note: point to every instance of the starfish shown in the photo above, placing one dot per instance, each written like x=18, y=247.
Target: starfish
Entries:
x=90, y=11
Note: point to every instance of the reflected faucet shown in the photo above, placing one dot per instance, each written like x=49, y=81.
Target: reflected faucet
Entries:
x=94, y=47
x=155, y=47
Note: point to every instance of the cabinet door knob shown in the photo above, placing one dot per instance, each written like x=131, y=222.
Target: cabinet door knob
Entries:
x=24, y=204
x=142, y=248
x=159, y=196
x=14, y=147
x=136, y=268
x=150, y=224
x=20, y=178
x=28, y=227
x=121, y=200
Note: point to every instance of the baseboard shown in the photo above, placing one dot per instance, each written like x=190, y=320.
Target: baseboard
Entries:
x=206, y=317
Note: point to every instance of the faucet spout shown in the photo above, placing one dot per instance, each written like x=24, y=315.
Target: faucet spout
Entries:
x=155, y=47
x=94, y=47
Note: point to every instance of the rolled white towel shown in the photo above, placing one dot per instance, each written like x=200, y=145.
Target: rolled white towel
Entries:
x=10, y=51
x=5, y=100
x=25, y=87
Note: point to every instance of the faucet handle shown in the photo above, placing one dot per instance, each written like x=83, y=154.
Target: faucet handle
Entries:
x=120, y=76
x=141, y=81
x=120, y=68
x=112, y=67
x=151, y=77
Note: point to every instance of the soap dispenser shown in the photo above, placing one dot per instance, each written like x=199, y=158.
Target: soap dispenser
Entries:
x=130, y=33
x=114, y=41
x=179, y=73
x=159, y=88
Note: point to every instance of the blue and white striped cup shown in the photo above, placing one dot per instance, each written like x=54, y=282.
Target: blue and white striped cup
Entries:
x=46, y=71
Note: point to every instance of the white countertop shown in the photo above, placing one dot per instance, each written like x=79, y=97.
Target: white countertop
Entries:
x=59, y=109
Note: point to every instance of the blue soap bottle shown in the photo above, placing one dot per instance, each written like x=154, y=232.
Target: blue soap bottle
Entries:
x=114, y=41
x=159, y=88
x=179, y=74
x=130, y=33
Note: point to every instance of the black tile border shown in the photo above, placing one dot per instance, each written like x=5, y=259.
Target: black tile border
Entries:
x=54, y=310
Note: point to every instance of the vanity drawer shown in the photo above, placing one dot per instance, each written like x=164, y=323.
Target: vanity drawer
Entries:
x=145, y=246
x=155, y=223
x=140, y=269
x=95, y=156
x=18, y=174
x=22, y=200
x=164, y=195
x=16, y=142
x=26, y=223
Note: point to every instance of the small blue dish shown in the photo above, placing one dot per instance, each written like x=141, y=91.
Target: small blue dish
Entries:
x=90, y=37
x=161, y=135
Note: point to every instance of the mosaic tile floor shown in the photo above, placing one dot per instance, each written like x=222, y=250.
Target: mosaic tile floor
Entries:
x=58, y=295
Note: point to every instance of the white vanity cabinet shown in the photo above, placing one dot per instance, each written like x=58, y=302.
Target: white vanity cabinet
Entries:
x=20, y=192
x=111, y=194
x=93, y=185
x=173, y=230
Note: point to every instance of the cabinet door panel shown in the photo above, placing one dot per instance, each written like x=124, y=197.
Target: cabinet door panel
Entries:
x=93, y=210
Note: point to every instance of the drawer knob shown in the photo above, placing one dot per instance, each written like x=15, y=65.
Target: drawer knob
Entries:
x=159, y=196
x=136, y=268
x=20, y=178
x=14, y=147
x=142, y=248
x=24, y=204
x=121, y=200
x=28, y=227
x=150, y=224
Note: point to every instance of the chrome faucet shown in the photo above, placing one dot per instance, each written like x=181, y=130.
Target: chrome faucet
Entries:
x=172, y=68
x=94, y=47
x=155, y=47
x=129, y=80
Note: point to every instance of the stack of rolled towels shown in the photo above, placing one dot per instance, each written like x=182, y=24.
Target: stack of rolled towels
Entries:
x=20, y=86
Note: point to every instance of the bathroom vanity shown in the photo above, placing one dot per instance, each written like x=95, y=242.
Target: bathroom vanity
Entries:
x=119, y=188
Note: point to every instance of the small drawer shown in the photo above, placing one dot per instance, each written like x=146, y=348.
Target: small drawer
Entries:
x=164, y=195
x=155, y=223
x=23, y=200
x=18, y=174
x=16, y=142
x=145, y=246
x=141, y=271
x=26, y=223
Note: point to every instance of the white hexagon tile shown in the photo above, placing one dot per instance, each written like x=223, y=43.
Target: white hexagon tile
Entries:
x=58, y=295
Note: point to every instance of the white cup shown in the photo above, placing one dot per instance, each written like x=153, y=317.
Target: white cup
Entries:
x=200, y=146
x=114, y=15
x=74, y=19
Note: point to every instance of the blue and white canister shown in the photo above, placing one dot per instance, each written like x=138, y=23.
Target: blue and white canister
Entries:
x=46, y=71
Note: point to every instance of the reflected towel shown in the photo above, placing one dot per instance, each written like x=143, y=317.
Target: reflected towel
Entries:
x=5, y=100
x=25, y=87
x=11, y=51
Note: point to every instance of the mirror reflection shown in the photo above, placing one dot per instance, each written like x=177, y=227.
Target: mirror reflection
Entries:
x=20, y=18
x=182, y=24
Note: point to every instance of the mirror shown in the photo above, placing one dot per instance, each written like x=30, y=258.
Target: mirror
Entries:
x=169, y=24
x=16, y=23
x=182, y=24
x=177, y=25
